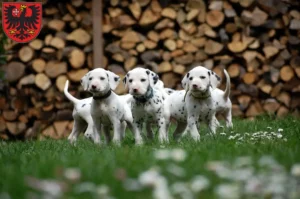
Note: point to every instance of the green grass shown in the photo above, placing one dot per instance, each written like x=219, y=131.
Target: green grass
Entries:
x=99, y=164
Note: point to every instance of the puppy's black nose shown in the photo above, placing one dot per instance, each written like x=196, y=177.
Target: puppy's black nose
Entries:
x=135, y=90
x=93, y=86
x=195, y=86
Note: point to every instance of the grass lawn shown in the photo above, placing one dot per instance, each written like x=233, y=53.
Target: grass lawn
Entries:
x=256, y=159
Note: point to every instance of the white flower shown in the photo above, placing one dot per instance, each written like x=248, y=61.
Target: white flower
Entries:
x=72, y=174
x=178, y=155
x=280, y=130
x=162, y=154
x=181, y=189
x=176, y=170
x=199, y=183
x=295, y=171
x=85, y=187
x=269, y=127
x=228, y=191
x=267, y=161
x=279, y=135
x=231, y=137
x=103, y=190
x=253, y=186
x=131, y=184
x=149, y=177
x=223, y=133
x=243, y=161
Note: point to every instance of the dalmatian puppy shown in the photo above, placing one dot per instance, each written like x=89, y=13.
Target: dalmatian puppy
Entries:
x=82, y=118
x=107, y=108
x=201, y=103
x=147, y=103
x=222, y=101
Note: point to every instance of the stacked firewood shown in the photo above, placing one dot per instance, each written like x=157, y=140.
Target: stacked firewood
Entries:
x=256, y=41
x=32, y=101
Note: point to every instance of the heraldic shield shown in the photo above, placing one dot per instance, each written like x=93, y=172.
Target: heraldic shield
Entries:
x=22, y=21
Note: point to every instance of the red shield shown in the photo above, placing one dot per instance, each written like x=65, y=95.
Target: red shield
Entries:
x=22, y=21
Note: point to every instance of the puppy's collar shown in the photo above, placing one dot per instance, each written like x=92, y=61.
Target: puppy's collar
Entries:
x=202, y=96
x=102, y=96
x=146, y=97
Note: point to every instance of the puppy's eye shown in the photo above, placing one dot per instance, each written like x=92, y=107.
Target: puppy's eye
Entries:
x=90, y=78
x=191, y=78
x=102, y=78
x=202, y=77
x=143, y=80
x=130, y=81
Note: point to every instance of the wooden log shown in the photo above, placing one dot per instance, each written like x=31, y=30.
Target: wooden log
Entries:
x=168, y=34
x=170, y=79
x=234, y=70
x=26, y=80
x=201, y=56
x=50, y=132
x=80, y=36
x=199, y=42
x=165, y=23
x=179, y=69
x=166, y=56
x=60, y=82
x=130, y=63
x=150, y=44
x=127, y=45
x=57, y=43
x=254, y=109
x=282, y=111
x=61, y=128
x=9, y=115
x=177, y=53
x=77, y=58
x=42, y=81
x=152, y=35
x=76, y=75
x=14, y=71
x=56, y=24
x=135, y=9
x=148, y=17
x=246, y=3
x=2, y=125
x=259, y=17
x=250, y=78
x=236, y=112
x=214, y=18
x=192, y=14
x=295, y=24
x=164, y=67
x=54, y=68
x=181, y=16
x=271, y=106
x=184, y=59
x=170, y=44
x=16, y=128
x=237, y=46
x=189, y=48
x=270, y=51
x=132, y=36
x=286, y=73
x=244, y=101
x=26, y=54
x=169, y=13
x=155, y=6
x=38, y=65
x=212, y=47
x=36, y=44
x=285, y=98
x=140, y=48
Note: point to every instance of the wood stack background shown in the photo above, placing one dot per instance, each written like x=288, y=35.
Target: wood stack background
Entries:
x=258, y=42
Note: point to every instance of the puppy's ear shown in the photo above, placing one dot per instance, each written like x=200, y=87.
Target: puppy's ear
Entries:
x=113, y=80
x=85, y=81
x=185, y=82
x=125, y=81
x=215, y=80
x=153, y=77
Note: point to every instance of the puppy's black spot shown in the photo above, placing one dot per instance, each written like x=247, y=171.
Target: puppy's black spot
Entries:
x=124, y=80
x=83, y=105
x=116, y=79
x=195, y=106
x=208, y=73
x=148, y=72
x=187, y=75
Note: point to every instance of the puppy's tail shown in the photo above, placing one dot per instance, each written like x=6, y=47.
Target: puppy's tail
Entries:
x=68, y=95
x=227, y=90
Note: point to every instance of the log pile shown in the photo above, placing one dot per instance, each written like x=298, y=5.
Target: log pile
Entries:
x=256, y=41
x=31, y=100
